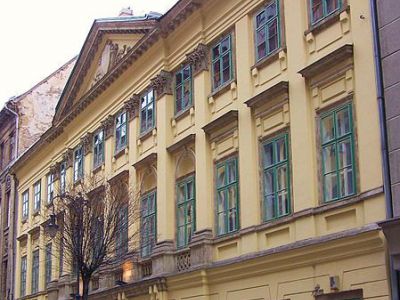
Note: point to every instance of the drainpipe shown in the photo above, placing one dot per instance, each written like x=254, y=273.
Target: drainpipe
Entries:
x=394, y=280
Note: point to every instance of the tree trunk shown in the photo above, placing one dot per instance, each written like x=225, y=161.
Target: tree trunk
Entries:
x=85, y=284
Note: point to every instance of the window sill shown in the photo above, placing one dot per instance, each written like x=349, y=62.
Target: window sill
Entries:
x=267, y=60
x=227, y=236
x=182, y=114
x=222, y=89
x=326, y=22
x=120, y=152
x=143, y=136
x=97, y=169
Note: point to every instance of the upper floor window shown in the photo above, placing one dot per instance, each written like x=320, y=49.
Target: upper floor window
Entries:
x=98, y=149
x=25, y=204
x=275, y=157
x=323, y=8
x=37, y=195
x=23, y=276
x=148, y=228
x=183, y=89
x=48, y=263
x=50, y=188
x=35, y=271
x=122, y=231
x=147, y=111
x=222, y=67
x=63, y=177
x=337, y=146
x=267, y=30
x=185, y=211
x=78, y=163
x=227, y=196
x=12, y=146
x=120, y=131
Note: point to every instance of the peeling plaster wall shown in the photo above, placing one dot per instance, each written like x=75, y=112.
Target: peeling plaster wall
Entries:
x=36, y=107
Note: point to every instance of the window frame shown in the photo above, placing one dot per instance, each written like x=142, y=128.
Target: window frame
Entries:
x=278, y=19
x=24, y=272
x=25, y=204
x=325, y=13
x=225, y=162
x=48, y=263
x=335, y=141
x=63, y=177
x=143, y=217
x=35, y=271
x=121, y=244
x=185, y=181
x=274, y=167
x=78, y=165
x=230, y=36
x=142, y=130
x=50, y=188
x=181, y=88
x=99, y=148
x=37, y=195
x=119, y=146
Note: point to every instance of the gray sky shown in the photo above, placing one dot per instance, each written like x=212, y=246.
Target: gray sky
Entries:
x=39, y=36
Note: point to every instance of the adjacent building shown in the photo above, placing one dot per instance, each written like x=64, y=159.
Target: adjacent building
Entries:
x=251, y=131
x=23, y=120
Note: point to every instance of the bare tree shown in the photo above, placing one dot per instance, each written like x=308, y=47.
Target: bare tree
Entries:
x=97, y=226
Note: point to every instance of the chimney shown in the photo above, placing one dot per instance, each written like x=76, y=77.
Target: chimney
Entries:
x=126, y=12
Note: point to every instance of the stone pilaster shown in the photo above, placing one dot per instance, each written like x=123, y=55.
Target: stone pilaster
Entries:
x=201, y=247
x=163, y=258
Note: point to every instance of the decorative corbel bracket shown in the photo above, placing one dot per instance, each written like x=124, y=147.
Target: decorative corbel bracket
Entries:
x=162, y=84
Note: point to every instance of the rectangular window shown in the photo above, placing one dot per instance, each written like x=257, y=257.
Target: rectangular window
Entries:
x=320, y=9
x=122, y=232
x=50, y=188
x=25, y=204
x=267, y=30
x=98, y=149
x=227, y=196
x=7, y=210
x=185, y=211
x=337, y=145
x=48, y=263
x=222, y=69
x=63, y=177
x=12, y=146
x=149, y=216
x=78, y=164
x=23, y=276
x=120, y=132
x=147, y=111
x=35, y=271
x=183, y=89
x=276, y=178
x=37, y=195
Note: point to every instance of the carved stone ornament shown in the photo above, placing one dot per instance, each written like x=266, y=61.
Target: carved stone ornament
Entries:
x=108, y=126
x=8, y=182
x=68, y=158
x=162, y=84
x=87, y=141
x=55, y=170
x=198, y=59
x=132, y=106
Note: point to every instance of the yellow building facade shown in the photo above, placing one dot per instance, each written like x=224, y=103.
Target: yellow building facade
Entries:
x=251, y=131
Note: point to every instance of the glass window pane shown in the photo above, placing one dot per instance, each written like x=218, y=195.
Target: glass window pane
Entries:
x=317, y=10
x=271, y=10
x=181, y=215
x=189, y=232
x=232, y=177
x=330, y=185
x=178, y=78
x=181, y=236
x=344, y=149
x=268, y=154
x=190, y=190
x=281, y=149
x=226, y=75
x=232, y=220
x=273, y=36
x=181, y=193
x=269, y=185
x=189, y=213
x=331, y=5
x=186, y=94
x=282, y=177
x=221, y=201
x=221, y=176
x=261, y=50
x=329, y=158
x=216, y=74
x=343, y=122
x=260, y=19
x=221, y=223
x=283, y=203
x=225, y=45
x=232, y=197
x=143, y=102
x=327, y=129
x=215, y=51
x=186, y=73
x=346, y=182
x=269, y=207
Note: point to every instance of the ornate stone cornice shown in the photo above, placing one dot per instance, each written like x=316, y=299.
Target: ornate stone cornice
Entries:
x=162, y=84
x=132, y=106
x=87, y=142
x=55, y=170
x=108, y=126
x=198, y=59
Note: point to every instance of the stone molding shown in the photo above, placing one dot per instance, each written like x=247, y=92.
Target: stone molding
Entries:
x=68, y=157
x=108, y=126
x=162, y=84
x=198, y=59
x=87, y=143
x=132, y=106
